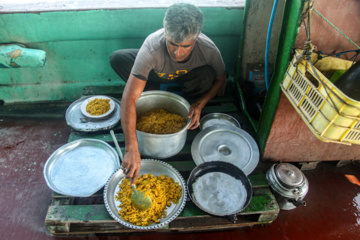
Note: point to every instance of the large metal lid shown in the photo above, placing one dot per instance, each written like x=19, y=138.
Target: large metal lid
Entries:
x=228, y=144
x=289, y=175
x=80, y=168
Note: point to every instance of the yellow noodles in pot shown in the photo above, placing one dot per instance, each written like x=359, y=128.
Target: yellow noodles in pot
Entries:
x=163, y=191
x=98, y=106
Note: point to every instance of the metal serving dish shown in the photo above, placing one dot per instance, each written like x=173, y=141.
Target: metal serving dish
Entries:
x=74, y=114
x=161, y=146
x=80, y=168
x=148, y=166
x=218, y=119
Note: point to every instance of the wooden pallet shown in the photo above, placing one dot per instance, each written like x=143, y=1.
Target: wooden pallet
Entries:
x=69, y=215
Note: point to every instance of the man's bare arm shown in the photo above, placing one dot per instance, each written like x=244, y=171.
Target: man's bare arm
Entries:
x=132, y=160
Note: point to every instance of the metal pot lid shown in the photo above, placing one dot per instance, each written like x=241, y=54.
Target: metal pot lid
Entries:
x=289, y=175
x=218, y=119
x=228, y=144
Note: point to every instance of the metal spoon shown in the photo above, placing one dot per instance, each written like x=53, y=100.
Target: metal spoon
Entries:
x=138, y=198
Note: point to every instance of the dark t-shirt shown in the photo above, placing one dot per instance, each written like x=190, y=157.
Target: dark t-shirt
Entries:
x=153, y=55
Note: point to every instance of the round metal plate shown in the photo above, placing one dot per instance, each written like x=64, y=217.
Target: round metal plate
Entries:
x=80, y=168
x=218, y=119
x=228, y=144
x=73, y=115
x=148, y=166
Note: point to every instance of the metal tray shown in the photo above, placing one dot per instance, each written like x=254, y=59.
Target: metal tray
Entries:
x=73, y=115
x=218, y=119
x=228, y=144
x=148, y=166
x=80, y=168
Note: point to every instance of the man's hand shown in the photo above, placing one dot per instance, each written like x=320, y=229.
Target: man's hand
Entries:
x=194, y=115
x=132, y=162
x=196, y=108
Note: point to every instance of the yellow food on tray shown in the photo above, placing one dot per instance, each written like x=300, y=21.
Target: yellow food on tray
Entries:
x=98, y=106
x=162, y=190
x=160, y=121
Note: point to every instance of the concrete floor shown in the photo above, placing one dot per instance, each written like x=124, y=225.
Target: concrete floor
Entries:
x=332, y=211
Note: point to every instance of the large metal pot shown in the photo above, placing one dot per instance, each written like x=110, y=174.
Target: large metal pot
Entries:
x=162, y=145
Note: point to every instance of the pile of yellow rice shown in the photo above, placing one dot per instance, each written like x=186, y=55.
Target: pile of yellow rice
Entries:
x=98, y=106
x=162, y=190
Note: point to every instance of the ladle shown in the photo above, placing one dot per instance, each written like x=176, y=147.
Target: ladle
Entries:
x=138, y=198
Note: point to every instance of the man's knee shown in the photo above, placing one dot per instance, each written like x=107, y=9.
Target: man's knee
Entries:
x=122, y=61
x=116, y=57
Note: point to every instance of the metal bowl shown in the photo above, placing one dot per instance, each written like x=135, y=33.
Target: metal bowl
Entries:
x=162, y=146
x=148, y=166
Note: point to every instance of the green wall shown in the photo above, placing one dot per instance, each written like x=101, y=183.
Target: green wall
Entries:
x=78, y=45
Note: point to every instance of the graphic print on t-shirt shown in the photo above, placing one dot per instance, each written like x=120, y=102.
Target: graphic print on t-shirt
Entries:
x=177, y=74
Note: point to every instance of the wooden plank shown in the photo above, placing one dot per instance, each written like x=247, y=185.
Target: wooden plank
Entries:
x=78, y=213
x=78, y=219
x=261, y=204
x=258, y=181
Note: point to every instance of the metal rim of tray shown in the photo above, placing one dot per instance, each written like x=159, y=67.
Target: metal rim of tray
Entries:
x=113, y=212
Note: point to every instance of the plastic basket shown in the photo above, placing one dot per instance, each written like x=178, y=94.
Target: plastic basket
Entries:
x=329, y=113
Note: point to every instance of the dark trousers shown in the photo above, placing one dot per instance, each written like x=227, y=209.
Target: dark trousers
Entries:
x=195, y=83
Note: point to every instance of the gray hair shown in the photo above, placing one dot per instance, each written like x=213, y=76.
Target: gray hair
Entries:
x=182, y=21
